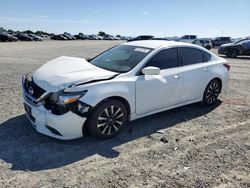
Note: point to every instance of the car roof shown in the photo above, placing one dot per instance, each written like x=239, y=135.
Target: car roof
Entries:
x=156, y=43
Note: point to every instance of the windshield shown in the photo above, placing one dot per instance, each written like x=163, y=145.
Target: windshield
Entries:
x=121, y=58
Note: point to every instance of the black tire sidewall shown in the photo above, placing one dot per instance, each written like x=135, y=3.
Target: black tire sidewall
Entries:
x=208, y=47
x=233, y=53
x=205, y=102
x=92, y=120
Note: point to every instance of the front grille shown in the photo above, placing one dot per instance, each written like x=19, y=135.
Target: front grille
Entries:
x=31, y=86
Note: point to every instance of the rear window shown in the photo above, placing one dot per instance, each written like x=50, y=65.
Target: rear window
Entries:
x=191, y=56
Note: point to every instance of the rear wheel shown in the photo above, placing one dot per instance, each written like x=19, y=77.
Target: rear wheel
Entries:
x=211, y=92
x=107, y=119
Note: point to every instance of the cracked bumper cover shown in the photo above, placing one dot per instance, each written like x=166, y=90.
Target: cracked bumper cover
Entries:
x=65, y=127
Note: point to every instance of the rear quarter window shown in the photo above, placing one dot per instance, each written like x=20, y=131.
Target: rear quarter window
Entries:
x=206, y=56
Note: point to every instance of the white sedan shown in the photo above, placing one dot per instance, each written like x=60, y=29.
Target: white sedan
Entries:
x=124, y=83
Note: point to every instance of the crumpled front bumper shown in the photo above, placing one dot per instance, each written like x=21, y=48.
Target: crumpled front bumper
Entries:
x=65, y=127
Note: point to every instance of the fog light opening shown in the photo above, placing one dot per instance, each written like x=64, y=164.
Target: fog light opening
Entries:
x=82, y=108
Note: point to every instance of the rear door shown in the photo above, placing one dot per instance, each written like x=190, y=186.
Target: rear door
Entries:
x=195, y=73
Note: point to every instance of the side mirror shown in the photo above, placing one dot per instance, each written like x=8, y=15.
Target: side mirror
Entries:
x=151, y=71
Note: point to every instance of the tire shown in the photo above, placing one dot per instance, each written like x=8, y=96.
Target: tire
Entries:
x=211, y=92
x=107, y=119
x=208, y=47
x=232, y=53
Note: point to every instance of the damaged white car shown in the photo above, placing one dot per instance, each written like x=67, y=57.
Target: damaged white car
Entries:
x=126, y=82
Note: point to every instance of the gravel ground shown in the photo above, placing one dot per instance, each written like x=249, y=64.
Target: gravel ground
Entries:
x=191, y=146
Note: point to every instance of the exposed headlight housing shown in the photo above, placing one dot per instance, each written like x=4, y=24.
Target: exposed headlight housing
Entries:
x=69, y=98
x=62, y=102
x=28, y=76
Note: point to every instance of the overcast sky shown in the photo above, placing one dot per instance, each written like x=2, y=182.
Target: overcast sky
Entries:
x=205, y=18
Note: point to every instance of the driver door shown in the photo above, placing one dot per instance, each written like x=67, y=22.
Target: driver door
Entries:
x=154, y=92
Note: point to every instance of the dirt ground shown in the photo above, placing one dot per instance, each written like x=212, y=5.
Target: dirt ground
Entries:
x=191, y=146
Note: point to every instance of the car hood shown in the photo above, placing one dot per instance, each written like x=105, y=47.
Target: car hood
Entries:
x=64, y=71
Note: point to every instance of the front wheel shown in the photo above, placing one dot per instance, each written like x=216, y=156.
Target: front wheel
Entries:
x=232, y=53
x=107, y=119
x=208, y=47
x=211, y=92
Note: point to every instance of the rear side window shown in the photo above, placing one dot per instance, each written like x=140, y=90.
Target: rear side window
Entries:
x=191, y=56
x=206, y=56
x=192, y=37
x=146, y=37
x=165, y=59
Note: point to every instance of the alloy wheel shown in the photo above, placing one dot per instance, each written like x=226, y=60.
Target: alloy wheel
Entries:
x=213, y=92
x=110, y=120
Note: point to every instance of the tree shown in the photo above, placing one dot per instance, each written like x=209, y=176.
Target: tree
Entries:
x=2, y=29
x=102, y=34
x=28, y=32
x=43, y=33
x=81, y=34
x=10, y=31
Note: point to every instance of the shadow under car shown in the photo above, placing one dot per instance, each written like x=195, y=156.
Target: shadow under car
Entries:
x=26, y=149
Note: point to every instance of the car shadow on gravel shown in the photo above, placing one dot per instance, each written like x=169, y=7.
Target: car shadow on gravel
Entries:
x=25, y=149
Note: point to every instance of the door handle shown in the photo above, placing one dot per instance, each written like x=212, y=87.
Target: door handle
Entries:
x=206, y=69
x=177, y=76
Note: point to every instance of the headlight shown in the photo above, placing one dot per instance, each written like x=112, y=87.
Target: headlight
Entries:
x=28, y=76
x=69, y=98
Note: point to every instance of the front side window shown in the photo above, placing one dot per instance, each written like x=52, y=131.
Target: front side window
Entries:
x=191, y=56
x=165, y=59
x=121, y=58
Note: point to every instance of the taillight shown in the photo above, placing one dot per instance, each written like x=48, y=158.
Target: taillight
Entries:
x=227, y=66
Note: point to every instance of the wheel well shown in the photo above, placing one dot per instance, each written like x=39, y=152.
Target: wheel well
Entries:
x=233, y=49
x=123, y=100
